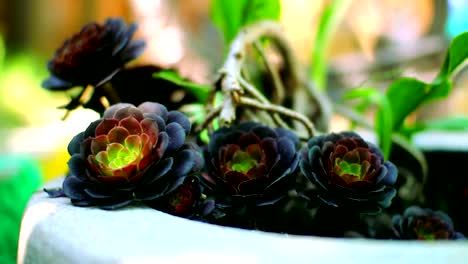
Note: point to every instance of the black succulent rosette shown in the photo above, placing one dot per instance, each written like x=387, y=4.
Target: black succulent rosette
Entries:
x=131, y=153
x=184, y=201
x=93, y=55
x=348, y=172
x=418, y=223
x=250, y=165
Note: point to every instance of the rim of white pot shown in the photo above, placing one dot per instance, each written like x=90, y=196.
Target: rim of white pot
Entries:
x=54, y=231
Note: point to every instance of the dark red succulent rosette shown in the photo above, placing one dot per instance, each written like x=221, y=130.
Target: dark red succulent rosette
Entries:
x=131, y=153
x=348, y=172
x=184, y=201
x=418, y=223
x=93, y=55
x=250, y=164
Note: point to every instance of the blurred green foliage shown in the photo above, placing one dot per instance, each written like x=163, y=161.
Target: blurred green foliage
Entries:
x=231, y=15
x=20, y=176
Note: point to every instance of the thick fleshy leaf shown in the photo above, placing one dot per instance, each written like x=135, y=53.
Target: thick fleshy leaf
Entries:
x=132, y=125
x=55, y=193
x=158, y=170
x=74, y=145
x=73, y=188
x=134, y=144
x=91, y=129
x=110, y=112
x=197, y=155
x=146, y=153
x=128, y=111
x=281, y=178
x=155, y=108
x=123, y=36
x=248, y=139
x=155, y=190
x=113, y=150
x=83, y=202
x=103, y=159
x=244, y=126
x=114, y=204
x=392, y=173
x=99, y=144
x=150, y=127
x=54, y=83
x=176, y=135
x=105, y=126
x=270, y=148
x=133, y=50
x=312, y=154
x=96, y=194
x=160, y=123
x=255, y=152
x=118, y=134
x=283, y=132
x=226, y=153
x=287, y=150
x=161, y=146
x=183, y=162
x=181, y=119
x=264, y=132
x=77, y=166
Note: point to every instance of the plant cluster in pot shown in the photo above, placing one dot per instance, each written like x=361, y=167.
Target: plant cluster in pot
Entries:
x=255, y=170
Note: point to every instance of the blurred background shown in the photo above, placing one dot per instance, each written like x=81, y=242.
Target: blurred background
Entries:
x=374, y=43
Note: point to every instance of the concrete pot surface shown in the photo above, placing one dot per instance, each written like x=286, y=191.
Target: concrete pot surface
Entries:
x=54, y=231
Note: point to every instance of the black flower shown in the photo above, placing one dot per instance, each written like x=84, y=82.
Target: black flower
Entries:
x=424, y=224
x=131, y=153
x=93, y=55
x=251, y=164
x=349, y=172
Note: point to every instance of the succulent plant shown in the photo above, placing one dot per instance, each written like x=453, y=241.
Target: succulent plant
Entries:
x=251, y=164
x=348, y=172
x=131, y=153
x=184, y=201
x=93, y=55
x=424, y=224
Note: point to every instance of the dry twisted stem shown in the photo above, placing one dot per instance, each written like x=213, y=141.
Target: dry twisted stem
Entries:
x=245, y=101
x=234, y=86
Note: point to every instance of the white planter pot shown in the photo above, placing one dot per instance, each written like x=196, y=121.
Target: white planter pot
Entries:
x=54, y=231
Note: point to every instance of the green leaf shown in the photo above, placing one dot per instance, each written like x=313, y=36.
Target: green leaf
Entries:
x=2, y=52
x=383, y=118
x=454, y=123
x=201, y=92
x=363, y=94
x=231, y=15
x=329, y=20
x=360, y=93
x=457, y=54
x=407, y=94
x=383, y=124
